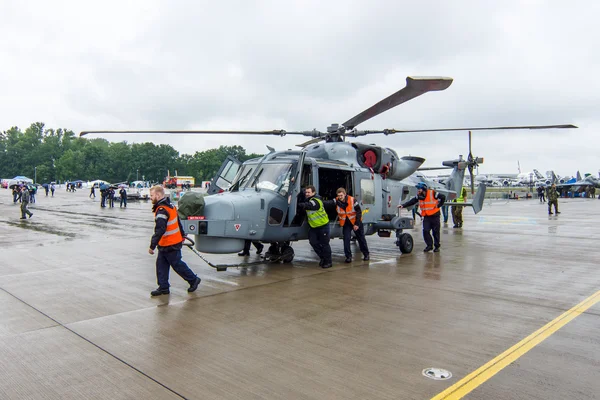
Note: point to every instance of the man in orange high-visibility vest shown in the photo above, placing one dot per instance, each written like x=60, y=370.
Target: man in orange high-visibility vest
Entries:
x=350, y=219
x=429, y=203
x=168, y=237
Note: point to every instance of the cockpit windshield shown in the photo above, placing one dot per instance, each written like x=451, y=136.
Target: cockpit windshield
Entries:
x=241, y=179
x=274, y=177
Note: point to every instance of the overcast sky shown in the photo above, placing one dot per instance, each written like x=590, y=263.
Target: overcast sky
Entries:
x=299, y=65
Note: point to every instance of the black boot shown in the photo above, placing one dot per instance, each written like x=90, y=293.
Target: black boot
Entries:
x=243, y=253
x=194, y=285
x=260, y=248
x=428, y=248
x=159, y=291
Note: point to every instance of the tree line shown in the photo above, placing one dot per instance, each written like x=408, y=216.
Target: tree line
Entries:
x=48, y=154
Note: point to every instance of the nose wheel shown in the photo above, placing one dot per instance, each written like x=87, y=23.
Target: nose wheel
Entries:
x=404, y=241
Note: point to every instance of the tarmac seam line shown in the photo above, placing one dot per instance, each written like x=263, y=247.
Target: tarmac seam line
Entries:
x=95, y=345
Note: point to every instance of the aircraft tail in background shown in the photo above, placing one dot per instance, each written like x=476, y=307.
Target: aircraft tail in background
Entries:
x=538, y=175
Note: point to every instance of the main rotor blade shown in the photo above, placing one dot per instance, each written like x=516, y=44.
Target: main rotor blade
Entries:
x=495, y=128
x=279, y=132
x=415, y=86
x=472, y=179
x=470, y=153
x=432, y=168
x=311, y=141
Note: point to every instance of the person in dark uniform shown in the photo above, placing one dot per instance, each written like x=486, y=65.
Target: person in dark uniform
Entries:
x=123, y=196
x=16, y=192
x=541, y=193
x=92, y=192
x=103, y=195
x=429, y=203
x=246, y=252
x=111, y=197
x=350, y=219
x=318, y=234
x=168, y=237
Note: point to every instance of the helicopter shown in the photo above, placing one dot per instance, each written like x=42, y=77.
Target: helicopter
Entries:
x=257, y=200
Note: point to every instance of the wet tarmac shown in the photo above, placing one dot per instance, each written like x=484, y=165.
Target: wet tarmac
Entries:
x=77, y=320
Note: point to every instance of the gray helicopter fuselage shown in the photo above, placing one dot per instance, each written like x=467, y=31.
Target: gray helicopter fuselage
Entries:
x=263, y=208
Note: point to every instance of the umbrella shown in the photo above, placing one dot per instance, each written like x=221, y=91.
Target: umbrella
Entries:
x=103, y=186
x=14, y=185
x=123, y=185
x=45, y=185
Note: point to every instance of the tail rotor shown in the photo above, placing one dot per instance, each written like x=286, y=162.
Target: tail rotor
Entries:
x=472, y=162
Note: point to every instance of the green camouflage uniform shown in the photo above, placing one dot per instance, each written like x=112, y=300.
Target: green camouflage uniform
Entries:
x=552, y=196
x=457, y=218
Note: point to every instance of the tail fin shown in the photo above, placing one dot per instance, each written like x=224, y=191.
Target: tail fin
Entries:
x=537, y=174
x=457, y=176
x=479, y=198
x=578, y=176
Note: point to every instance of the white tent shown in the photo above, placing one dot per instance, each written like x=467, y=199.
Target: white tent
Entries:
x=24, y=179
x=97, y=183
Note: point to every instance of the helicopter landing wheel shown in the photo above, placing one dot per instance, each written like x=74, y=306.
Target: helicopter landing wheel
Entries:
x=273, y=254
x=405, y=243
x=287, y=254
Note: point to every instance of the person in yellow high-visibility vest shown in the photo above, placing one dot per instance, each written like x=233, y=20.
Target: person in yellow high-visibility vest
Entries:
x=318, y=234
x=457, y=218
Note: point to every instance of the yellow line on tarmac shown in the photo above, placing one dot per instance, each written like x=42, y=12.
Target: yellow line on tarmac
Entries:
x=482, y=374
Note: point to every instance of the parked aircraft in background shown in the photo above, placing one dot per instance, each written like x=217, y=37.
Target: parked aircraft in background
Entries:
x=579, y=184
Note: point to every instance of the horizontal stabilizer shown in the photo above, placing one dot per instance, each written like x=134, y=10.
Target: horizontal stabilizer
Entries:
x=476, y=203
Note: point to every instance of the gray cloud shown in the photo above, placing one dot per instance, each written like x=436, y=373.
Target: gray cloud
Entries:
x=304, y=65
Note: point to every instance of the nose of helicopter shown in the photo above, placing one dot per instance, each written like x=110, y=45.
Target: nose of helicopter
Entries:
x=217, y=228
x=219, y=207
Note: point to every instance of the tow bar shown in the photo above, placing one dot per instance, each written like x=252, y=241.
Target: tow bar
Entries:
x=218, y=267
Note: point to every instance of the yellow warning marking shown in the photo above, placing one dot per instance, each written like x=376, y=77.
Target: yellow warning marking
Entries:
x=482, y=374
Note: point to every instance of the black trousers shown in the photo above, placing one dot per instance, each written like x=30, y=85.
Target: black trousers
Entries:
x=360, y=238
x=432, y=223
x=167, y=259
x=256, y=244
x=319, y=240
